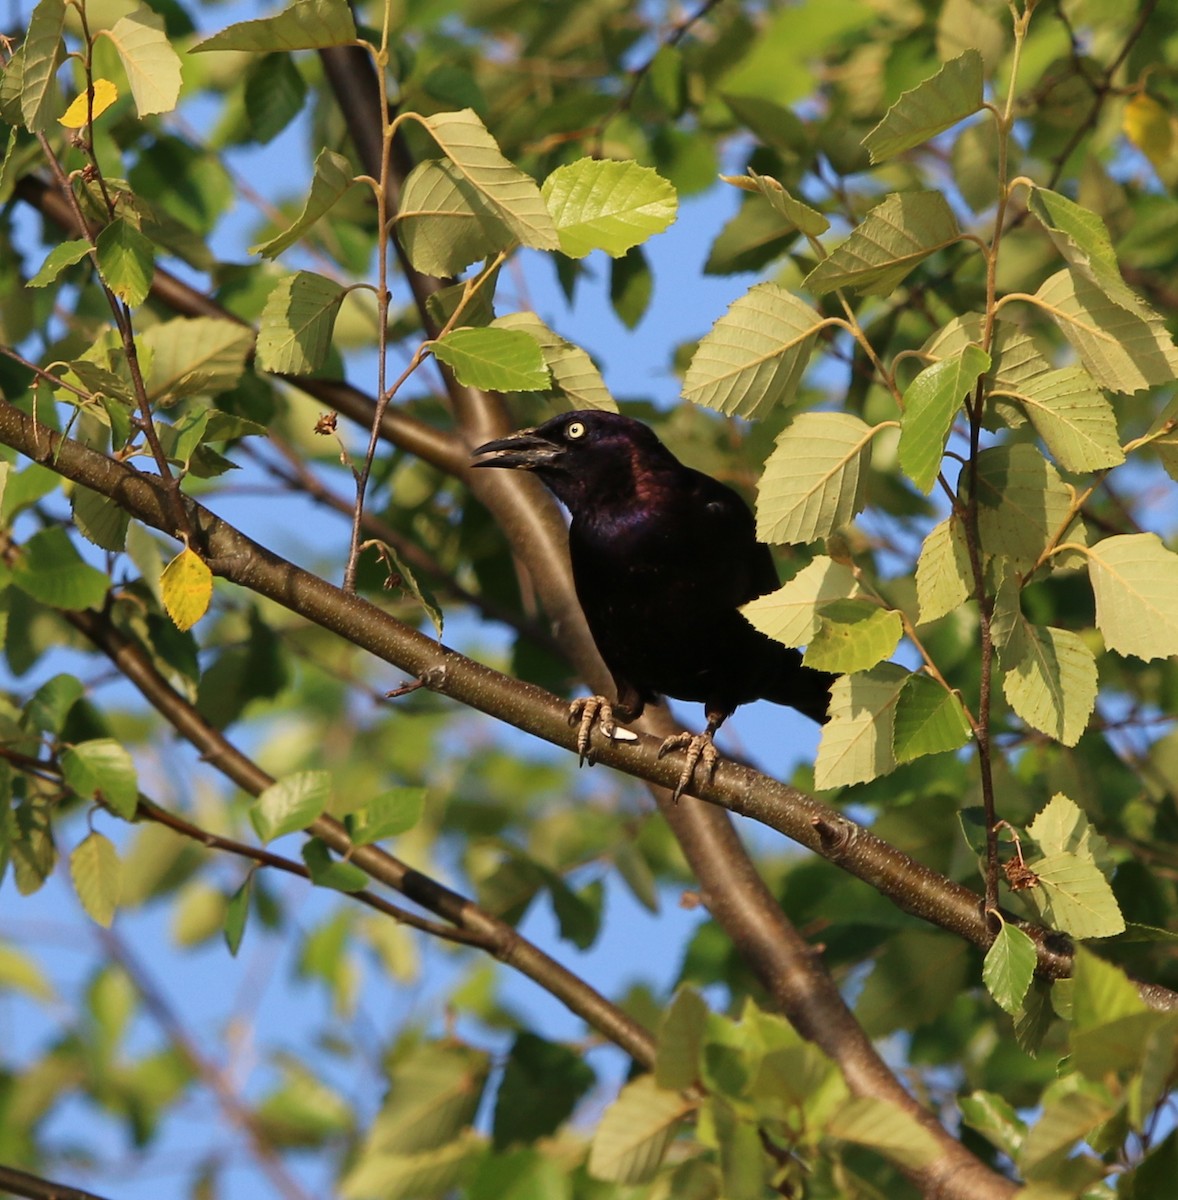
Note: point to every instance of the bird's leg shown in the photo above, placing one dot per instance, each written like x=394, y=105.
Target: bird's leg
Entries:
x=698, y=747
x=597, y=710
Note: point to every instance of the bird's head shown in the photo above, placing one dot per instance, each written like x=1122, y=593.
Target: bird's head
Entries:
x=585, y=456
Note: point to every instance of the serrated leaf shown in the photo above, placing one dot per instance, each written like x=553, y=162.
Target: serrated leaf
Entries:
x=194, y=355
x=680, y=1038
x=236, y=915
x=291, y=803
x=634, y=1133
x=1073, y=418
x=755, y=355
x=97, y=876
x=1101, y=993
x=1135, y=581
x=1079, y=235
x=604, y=204
x=1122, y=341
x=332, y=180
x=1022, y=502
x=893, y=239
x=464, y=139
x=386, y=815
x=152, y=66
x=275, y=92
x=1061, y=826
x=790, y=615
x=857, y=741
x=445, y=223
x=40, y=97
x=995, y=1119
x=573, y=371
x=99, y=519
x=885, y=1127
x=50, y=569
x=931, y=404
x=1074, y=896
x=795, y=213
x=1049, y=679
x=102, y=769
x=949, y=96
x=305, y=25
x=813, y=481
x=126, y=261
x=499, y=360
x=403, y=577
x=542, y=1083
x=853, y=635
x=928, y=720
x=1063, y=1123
x=328, y=872
x=186, y=588
x=294, y=334
x=438, y=1172
x=944, y=578
x=1009, y=967
x=56, y=261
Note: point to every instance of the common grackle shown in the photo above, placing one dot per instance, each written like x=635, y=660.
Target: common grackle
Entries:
x=662, y=558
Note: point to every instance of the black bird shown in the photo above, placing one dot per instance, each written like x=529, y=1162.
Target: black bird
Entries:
x=662, y=558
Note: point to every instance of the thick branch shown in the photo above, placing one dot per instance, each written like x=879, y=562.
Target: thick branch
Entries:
x=21, y=1183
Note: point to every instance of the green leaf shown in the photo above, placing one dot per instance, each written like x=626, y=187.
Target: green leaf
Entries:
x=1101, y=993
x=1022, y=502
x=1009, y=967
x=50, y=569
x=755, y=355
x=499, y=360
x=813, y=481
x=542, y=1083
x=330, y=873
x=1063, y=1123
x=96, y=873
x=99, y=519
x=193, y=356
x=50, y=705
x=332, y=180
x=294, y=333
x=886, y=1128
x=995, y=1119
x=403, y=577
x=857, y=742
x=386, y=815
x=102, y=769
x=20, y=973
x=795, y=214
x=1080, y=236
x=631, y=286
x=604, y=204
x=853, y=635
x=949, y=96
x=932, y=402
x=1061, y=826
x=1073, y=417
x=41, y=101
x=464, y=139
x=929, y=720
x=1049, y=676
x=275, y=92
x=152, y=66
x=944, y=578
x=894, y=238
x=291, y=803
x=126, y=261
x=754, y=236
x=634, y=1133
x=574, y=373
x=305, y=25
x=1122, y=341
x=438, y=1172
x=1135, y=581
x=680, y=1039
x=236, y=914
x=445, y=223
x=790, y=615
x=66, y=254
x=1074, y=896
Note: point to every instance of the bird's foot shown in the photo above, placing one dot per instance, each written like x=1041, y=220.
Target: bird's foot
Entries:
x=595, y=710
x=698, y=748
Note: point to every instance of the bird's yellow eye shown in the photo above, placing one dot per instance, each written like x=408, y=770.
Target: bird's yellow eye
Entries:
x=574, y=430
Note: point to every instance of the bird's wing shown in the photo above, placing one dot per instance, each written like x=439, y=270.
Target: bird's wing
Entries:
x=727, y=518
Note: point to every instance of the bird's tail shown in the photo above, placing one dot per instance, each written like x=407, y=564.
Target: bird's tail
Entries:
x=799, y=686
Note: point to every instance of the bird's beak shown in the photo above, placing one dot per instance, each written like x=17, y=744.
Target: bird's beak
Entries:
x=524, y=449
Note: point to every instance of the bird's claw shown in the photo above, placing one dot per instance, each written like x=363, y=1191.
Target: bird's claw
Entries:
x=698, y=748
x=594, y=710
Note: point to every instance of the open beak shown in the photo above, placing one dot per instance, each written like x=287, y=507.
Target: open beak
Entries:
x=523, y=449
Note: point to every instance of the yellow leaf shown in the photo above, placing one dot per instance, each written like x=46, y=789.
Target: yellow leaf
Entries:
x=76, y=116
x=1148, y=126
x=187, y=588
